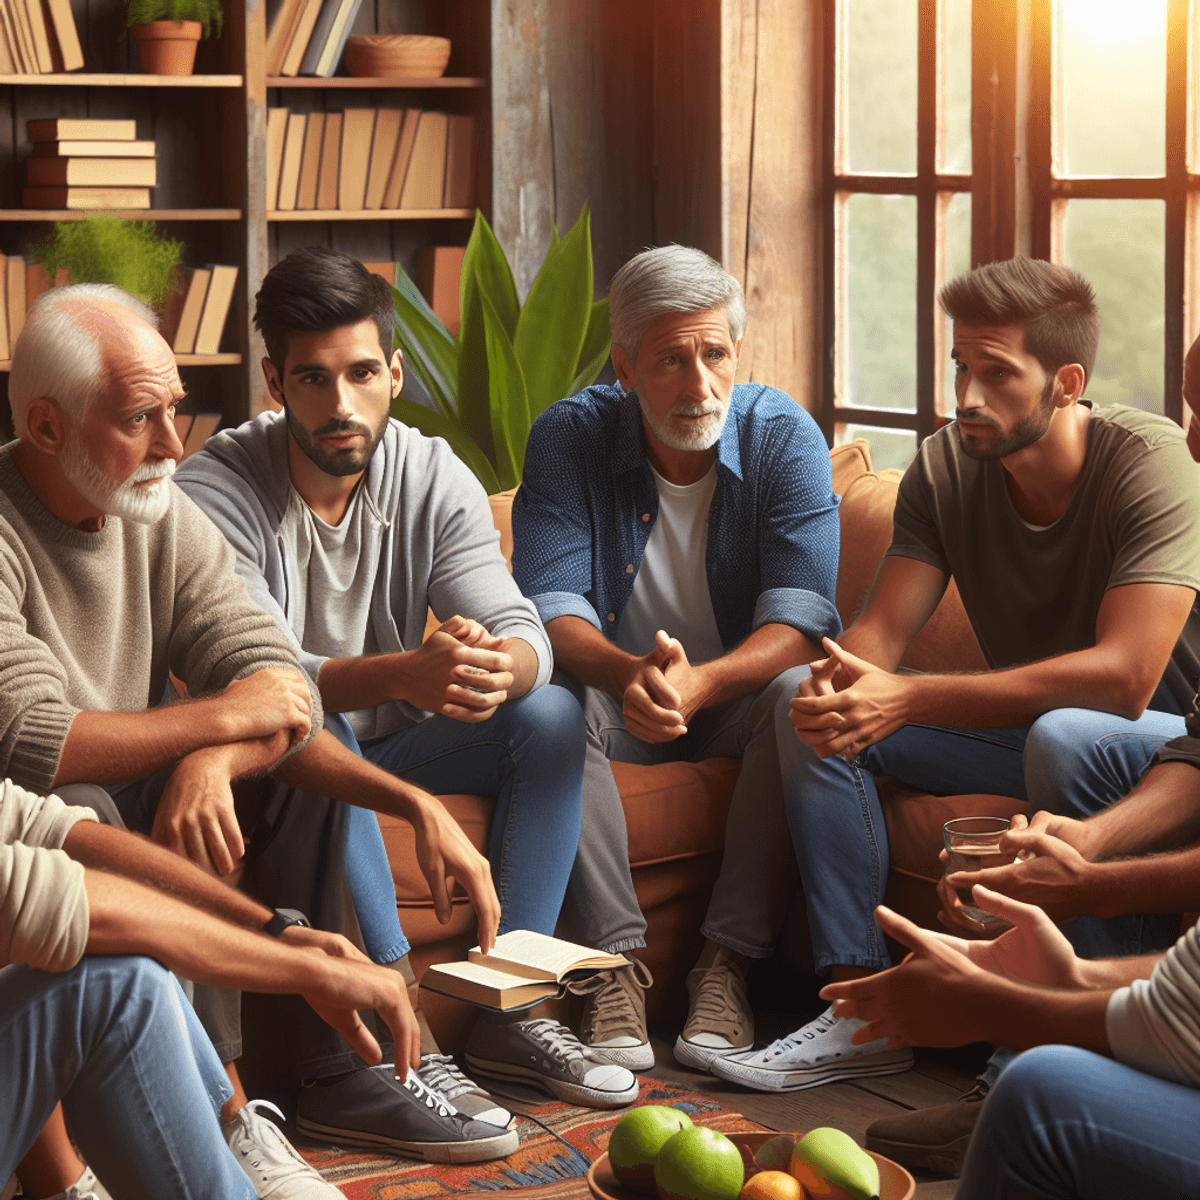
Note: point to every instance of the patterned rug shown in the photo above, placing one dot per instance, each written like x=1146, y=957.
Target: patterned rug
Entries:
x=558, y=1144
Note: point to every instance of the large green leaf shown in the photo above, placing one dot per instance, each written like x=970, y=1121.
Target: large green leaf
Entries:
x=555, y=317
x=485, y=266
x=506, y=398
x=435, y=425
x=596, y=347
x=428, y=347
x=474, y=414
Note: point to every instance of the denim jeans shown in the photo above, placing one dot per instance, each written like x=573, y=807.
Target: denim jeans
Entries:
x=140, y=1084
x=529, y=756
x=1064, y=1123
x=1070, y=761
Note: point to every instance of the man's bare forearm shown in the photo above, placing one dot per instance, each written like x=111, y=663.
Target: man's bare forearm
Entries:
x=1161, y=813
x=1020, y=1015
x=580, y=648
x=767, y=652
x=348, y=684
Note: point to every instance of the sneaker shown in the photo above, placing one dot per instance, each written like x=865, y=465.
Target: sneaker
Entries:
x=719, y=1018
x=267, y=1157
x=372, y=1109
x=440, y=1073
x=551, y=1058
x=819, y=1052
x=86, y=1187
x=614, y=1016
x=933, y=1139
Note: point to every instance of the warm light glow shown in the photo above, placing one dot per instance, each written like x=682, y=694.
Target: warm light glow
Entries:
x=1116, y=20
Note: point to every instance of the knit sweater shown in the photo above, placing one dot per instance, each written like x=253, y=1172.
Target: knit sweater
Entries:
x=93, y=621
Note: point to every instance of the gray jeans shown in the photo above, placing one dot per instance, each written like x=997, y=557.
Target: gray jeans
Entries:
x=758, y=870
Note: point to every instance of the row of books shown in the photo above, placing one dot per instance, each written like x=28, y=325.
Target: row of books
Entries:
x=21, y=283
x=194, y=429
x=38, y=37
x=307, y=37
x=88, y=164
x=370, y=158
x=194, y=314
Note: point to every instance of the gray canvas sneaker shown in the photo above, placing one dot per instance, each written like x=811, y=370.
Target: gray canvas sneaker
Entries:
x=371, y=1108
x=549, y=1057
x=440, y=1073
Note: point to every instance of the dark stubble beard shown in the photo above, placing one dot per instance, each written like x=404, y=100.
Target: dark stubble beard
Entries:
x=336, y=462
x=1025, y=432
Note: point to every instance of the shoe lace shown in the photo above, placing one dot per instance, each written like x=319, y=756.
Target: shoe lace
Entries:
x=262, y=1143
x=612, y=1010
x=441, y=1073
x=805, y=1033
x=423, y=1092
x=720, y=995
x=976, y=1094
x=558, y=1042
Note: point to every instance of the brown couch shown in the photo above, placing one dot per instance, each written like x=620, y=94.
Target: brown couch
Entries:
x=676, y=813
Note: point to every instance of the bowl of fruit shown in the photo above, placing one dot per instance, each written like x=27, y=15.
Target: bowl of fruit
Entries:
x=656, y=1151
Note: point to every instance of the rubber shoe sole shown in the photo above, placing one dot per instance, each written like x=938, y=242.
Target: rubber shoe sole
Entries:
x=479, y=1150
x=570, y=1093
x=887, y=1062
x=701, y=1057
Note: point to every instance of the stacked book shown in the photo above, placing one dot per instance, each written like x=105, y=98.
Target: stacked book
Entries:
x=88, y=164
x=367, y=159
x=194, y=315
x=307, y=37
x=36, y=40
x=22, y=281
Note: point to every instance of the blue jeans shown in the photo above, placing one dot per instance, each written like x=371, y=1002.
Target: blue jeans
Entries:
x=529, y=756
x=1070, y=761
x=139, y=1081
x=1066, y=1123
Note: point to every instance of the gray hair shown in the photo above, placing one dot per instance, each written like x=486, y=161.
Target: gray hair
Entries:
x=57, y=356
x=670, y=279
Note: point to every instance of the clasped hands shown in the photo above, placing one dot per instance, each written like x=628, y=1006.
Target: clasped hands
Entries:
x=460, y=671
x=662, y=692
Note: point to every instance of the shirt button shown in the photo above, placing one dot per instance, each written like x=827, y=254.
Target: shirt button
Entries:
x=612, y=616
x=629, y=569
x=645, y=516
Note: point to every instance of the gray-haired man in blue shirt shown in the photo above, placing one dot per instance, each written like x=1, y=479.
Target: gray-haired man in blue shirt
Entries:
x=679, y=537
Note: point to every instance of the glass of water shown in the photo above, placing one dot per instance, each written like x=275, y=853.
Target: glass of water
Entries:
x=973, y=843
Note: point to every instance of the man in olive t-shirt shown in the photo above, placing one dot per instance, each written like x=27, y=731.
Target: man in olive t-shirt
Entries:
x=1071, y=534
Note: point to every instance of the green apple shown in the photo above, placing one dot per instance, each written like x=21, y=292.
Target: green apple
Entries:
x=640, y=1134
x=699, y=1164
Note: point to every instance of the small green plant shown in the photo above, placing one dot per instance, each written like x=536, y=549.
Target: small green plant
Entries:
x=510, y=361
x=207, y=12
x=111, y=250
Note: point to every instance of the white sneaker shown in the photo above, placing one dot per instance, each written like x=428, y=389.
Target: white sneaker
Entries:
x=819, y=1052
x=440, y=1073
x=267, y=1157
x=86, y=1187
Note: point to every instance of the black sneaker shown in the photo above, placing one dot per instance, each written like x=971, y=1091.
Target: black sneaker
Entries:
x=373, y=1109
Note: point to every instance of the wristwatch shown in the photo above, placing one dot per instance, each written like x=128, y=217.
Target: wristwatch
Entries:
x=283, y=919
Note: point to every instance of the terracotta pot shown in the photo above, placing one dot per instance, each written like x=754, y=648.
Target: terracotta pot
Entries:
x=167, y=47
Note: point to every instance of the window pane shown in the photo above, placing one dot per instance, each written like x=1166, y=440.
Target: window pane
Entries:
x=1118, y=245
x=889, y=447
x=956, y=85
x=956, y=260
x=1114, y=62
x=881, y=85
x=881, y=288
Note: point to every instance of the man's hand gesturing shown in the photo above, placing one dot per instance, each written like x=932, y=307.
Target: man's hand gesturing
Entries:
x=458, y=671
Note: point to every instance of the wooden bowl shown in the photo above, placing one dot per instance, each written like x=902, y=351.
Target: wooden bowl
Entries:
x=895, y=1183
x=397, y=54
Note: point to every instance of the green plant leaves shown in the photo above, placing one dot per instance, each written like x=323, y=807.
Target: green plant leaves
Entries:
x=507, y=399
x=433, y=424
x=597, y=344
x=428, y=346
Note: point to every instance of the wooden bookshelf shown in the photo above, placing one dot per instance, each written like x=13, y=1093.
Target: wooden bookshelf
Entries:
x=133, y=214
x=115, y=79
x=374, y=82
x=370, y=214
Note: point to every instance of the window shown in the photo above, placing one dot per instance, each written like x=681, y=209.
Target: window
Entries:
x=963, y=131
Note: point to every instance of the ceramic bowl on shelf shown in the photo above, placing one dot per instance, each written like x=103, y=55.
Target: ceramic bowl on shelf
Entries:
x=397, y=54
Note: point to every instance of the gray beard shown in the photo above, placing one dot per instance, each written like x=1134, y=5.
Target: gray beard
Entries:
x=125, y=499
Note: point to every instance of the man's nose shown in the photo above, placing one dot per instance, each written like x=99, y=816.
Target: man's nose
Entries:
x=970, y=394
x=167, y=443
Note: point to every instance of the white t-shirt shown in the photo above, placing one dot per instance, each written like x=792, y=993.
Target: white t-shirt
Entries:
x=671, y=588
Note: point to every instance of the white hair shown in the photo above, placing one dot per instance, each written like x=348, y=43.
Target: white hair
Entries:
x=57, y=356
x=670, y=279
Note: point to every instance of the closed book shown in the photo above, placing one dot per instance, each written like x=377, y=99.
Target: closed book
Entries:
x=383, y=150
x=62, y=276
x=358, y=124
x=427, y=165
x=16, y=298
x=400, y=160
x=69, y=56
x=304, y=28
x=461, y=151
x=289, y=171
x=189, y=318
x=8, y=64
x=183, y=426
x=276, y=131
x=91, y=172
x=331, y=150
x=202, y=428
x=172, y=308
x=78, y=149
x=216, y=309
x=335, y=43
x=439, y=269
x=385, y=270
x=36, y=282
x=64, y=129
x=41, y=38
x=86, y=197
x=310, y=162
x=280, y=36
x=320, y=33
x=5, y=349
x=22, y=36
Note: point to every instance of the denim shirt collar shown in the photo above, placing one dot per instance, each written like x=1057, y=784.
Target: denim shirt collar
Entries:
x=631, y=438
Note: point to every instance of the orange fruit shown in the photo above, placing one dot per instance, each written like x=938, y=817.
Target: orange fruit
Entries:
x=772, y=1185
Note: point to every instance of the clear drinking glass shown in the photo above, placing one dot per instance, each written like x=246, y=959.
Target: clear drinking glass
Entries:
x=973, y=843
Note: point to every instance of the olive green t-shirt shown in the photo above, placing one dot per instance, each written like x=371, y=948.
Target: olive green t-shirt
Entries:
x=1033, y=593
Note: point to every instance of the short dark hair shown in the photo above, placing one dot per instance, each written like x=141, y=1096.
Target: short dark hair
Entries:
x=315, y=289
x=1055, y=305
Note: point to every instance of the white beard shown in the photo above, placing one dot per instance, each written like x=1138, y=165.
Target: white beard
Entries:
x=125, y=499
x=698, y=437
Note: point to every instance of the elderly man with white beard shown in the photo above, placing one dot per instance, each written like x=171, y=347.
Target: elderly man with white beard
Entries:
x=110, y=579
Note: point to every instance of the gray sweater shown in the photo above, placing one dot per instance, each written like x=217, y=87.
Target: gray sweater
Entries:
x=93, y=621
x=429, y=542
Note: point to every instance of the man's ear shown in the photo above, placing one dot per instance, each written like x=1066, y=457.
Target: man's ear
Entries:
x=274, y=385
x=396, y=367
x=1069, y=384
x=47, y=427
x=622, y=366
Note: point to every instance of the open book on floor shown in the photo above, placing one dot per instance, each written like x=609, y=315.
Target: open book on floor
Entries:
x=522, y=969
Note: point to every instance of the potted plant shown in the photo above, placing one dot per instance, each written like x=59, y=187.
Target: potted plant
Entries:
x=168, y=31
x=510, y=361
x=111, y=250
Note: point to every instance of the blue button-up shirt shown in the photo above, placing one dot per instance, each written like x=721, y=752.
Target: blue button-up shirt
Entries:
x=588, y=502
